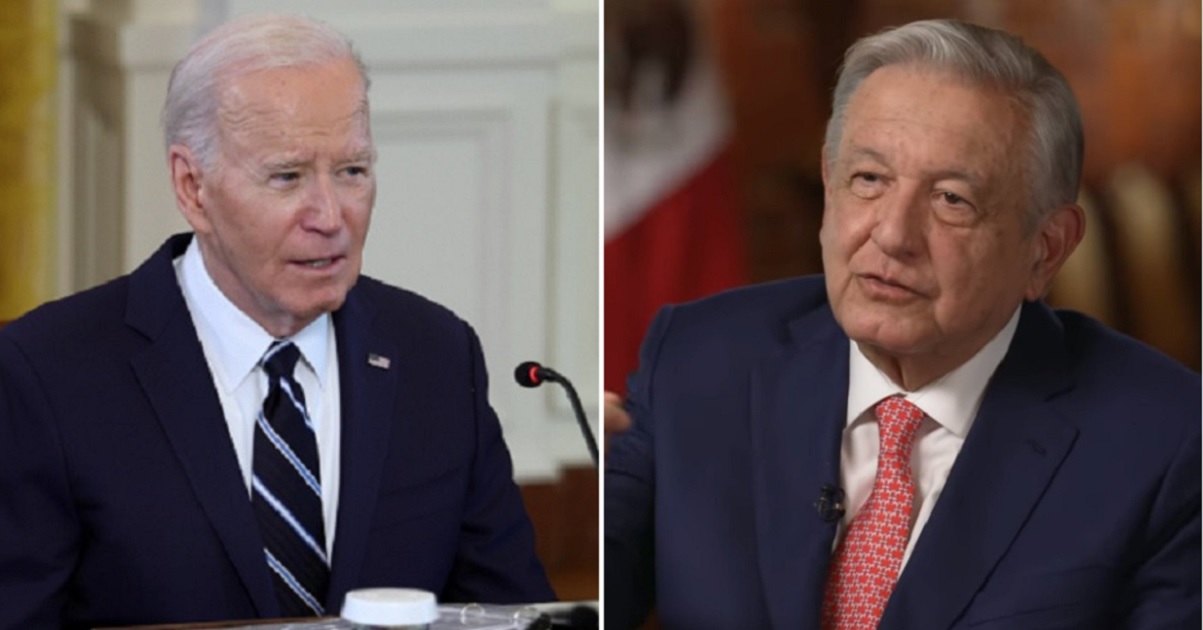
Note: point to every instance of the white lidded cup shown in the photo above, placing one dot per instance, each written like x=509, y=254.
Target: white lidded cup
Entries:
x=394, y=608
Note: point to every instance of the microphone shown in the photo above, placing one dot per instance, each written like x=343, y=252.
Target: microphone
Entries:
x=830, y=504
x=531, y=374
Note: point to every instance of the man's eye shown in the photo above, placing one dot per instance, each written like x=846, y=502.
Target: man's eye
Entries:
x=356, y=171
x=286, y=177
x=867, y=185
x=953, y=199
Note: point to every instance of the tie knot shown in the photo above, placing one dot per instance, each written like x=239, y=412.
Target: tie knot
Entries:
x=898, y=419
x=281, y=359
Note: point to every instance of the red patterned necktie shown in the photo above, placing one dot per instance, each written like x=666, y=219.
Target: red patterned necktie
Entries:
x=867, y=561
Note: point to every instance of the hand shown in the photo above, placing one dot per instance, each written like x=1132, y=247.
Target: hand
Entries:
x=616, y=419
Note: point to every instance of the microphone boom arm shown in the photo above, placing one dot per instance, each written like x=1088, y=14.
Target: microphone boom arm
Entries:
x=579, y=412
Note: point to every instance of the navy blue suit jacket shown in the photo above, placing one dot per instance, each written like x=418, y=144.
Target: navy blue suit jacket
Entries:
x=1074, y=502
x=121, y=500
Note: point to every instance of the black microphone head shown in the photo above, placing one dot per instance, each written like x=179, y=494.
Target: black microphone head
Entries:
x=527, y=374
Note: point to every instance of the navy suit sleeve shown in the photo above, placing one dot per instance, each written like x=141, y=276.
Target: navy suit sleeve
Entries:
x=1164, y=590
x=630, y=496
x=495, y=561
x=39, y=530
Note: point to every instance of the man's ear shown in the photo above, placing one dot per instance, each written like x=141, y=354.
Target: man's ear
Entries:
x=188, y=184
x=1056, y=238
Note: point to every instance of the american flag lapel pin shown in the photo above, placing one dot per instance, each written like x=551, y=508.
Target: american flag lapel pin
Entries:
x=378, y=361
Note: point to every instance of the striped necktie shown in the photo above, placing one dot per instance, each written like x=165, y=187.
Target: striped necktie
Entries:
x=287, y=497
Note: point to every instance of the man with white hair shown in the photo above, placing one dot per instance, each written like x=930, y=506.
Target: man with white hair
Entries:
x=914, y=440
x=245, y=426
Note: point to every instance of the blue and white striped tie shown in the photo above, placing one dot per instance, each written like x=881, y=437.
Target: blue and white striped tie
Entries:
x=287, y=497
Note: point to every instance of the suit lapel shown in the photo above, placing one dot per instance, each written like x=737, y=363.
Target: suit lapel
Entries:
x=798, y=409
x=1011, y=454
x=369, y=388
x=173, y=374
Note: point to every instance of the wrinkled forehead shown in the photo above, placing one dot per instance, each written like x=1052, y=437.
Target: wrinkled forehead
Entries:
x=918, y=92
x=943, y=110
x=267, y=120
x=326, y=99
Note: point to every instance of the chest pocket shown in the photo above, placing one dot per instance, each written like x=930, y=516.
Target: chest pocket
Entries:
x=418, y=497
x=1075, y=598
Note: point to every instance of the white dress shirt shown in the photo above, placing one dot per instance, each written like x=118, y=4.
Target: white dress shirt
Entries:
x=949, y=404
x=234, y=344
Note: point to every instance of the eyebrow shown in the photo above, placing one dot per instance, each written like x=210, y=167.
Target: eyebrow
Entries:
x=865, y=152
x=951, y=173
x=286, y=164
x=292, y=163
x=363, y=155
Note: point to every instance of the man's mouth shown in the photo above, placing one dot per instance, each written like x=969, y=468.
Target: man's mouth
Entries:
x=888, y=285
x=319, y=263
x=887, y=281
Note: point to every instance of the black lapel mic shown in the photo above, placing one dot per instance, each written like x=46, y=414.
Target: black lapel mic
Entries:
x=531, y=374
x=831, y=503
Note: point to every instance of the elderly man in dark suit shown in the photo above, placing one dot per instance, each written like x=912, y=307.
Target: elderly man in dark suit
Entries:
x=914, y=440
x=245, y=426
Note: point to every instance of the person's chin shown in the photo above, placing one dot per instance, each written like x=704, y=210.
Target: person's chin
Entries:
x=315, y=303
x=889, y=332
x=333, y=302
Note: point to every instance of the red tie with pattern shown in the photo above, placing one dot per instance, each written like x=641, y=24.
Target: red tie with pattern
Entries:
x=867, y=561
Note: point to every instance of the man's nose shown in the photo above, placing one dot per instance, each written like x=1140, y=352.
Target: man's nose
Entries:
x=325, y=213
x=900, y=221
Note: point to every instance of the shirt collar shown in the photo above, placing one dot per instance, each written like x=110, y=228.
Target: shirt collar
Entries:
x=951, y=400
x=312, y=342
x=237, y=341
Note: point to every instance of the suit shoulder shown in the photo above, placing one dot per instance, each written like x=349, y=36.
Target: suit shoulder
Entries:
x=77, y=320
x=771, y=302
x=1129, y=370
x=742, y=325
x=408, y=307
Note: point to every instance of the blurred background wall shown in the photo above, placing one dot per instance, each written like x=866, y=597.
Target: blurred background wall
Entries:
x=1133, y=64
x=485, y=117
